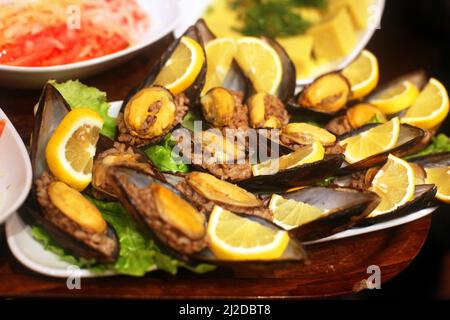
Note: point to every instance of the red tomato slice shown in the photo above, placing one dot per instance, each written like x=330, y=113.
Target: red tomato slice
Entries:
x=2, y=126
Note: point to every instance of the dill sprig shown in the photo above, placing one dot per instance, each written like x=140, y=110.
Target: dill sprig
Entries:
x=273, y=18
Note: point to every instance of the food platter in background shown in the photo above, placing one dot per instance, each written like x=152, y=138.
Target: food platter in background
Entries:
x=163, y=15
x=33, y=255
x=190, y=12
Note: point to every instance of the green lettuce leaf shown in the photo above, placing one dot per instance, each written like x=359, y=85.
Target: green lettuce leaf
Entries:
x=161, y=156
x=138, y=254
x=79, y=95
x=440, y=143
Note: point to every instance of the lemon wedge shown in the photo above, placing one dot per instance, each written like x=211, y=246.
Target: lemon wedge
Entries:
x=233, y=237
x=441, y=178
x=371, y=142
x=260, y=63
x=396, y=98
x=220, y=53
x=71, y=149
x=308, y=154
x=395, y=184
x=363, y=74
x=290, y=214
x=430, y=108
x=183, y=67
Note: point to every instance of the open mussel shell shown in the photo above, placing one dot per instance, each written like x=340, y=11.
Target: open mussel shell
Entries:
x=32, y=213
x=342, y=208
x=423, y=197
x=409, y=137
x=51, y=110
x=328, y=95
x=193, y=92
x=418, y=78
x=162, y=211
x=303, y=175
x=436, y=160
x=235, y=79
x=114, y=154
x=286, y=90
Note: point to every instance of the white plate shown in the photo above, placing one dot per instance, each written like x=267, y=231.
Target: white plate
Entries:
x=376, y=227
x=163, y=19
x=32, y=254
x=192, y=10
x=15, y=170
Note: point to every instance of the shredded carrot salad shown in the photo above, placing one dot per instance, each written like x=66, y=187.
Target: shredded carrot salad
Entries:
x=36, y=33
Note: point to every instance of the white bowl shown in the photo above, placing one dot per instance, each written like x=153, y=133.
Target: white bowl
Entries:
x=163, y=20
x=15, y=170
x=191, y=11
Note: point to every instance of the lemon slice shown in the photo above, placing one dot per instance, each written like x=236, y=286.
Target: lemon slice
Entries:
x=441, y=178
x=183, y=67
x=219, y=57
x=396, y=98
x=394, y=184
x=430, y=108
x=71, y=149
x=233, y=237
x=308, y=154
x=290, y=214
x=260, y=63
x=373, y=141
x=363, y=74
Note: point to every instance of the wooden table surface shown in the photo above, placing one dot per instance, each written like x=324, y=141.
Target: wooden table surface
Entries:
x=337, y=268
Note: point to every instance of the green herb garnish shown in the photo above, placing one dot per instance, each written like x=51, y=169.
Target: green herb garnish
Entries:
x=273, y=18
x=440, y=143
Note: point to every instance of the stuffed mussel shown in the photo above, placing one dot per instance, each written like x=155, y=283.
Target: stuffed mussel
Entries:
x=205, y=191
x=260, y=164
x=159, y=103
x=161, y=209
x=73, y=221
x=118, y=155
x=178, y=224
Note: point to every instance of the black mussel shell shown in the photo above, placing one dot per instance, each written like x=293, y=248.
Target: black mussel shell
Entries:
x=51, y=110
x=301, y=176
x=346, y=208
x=436, y=160
x=423, y=197
x=235, y=80
x=193, y=92
x=288, y=84
x=419, y=78
x=409, y=137
x=32, y=213
x=141, y=181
